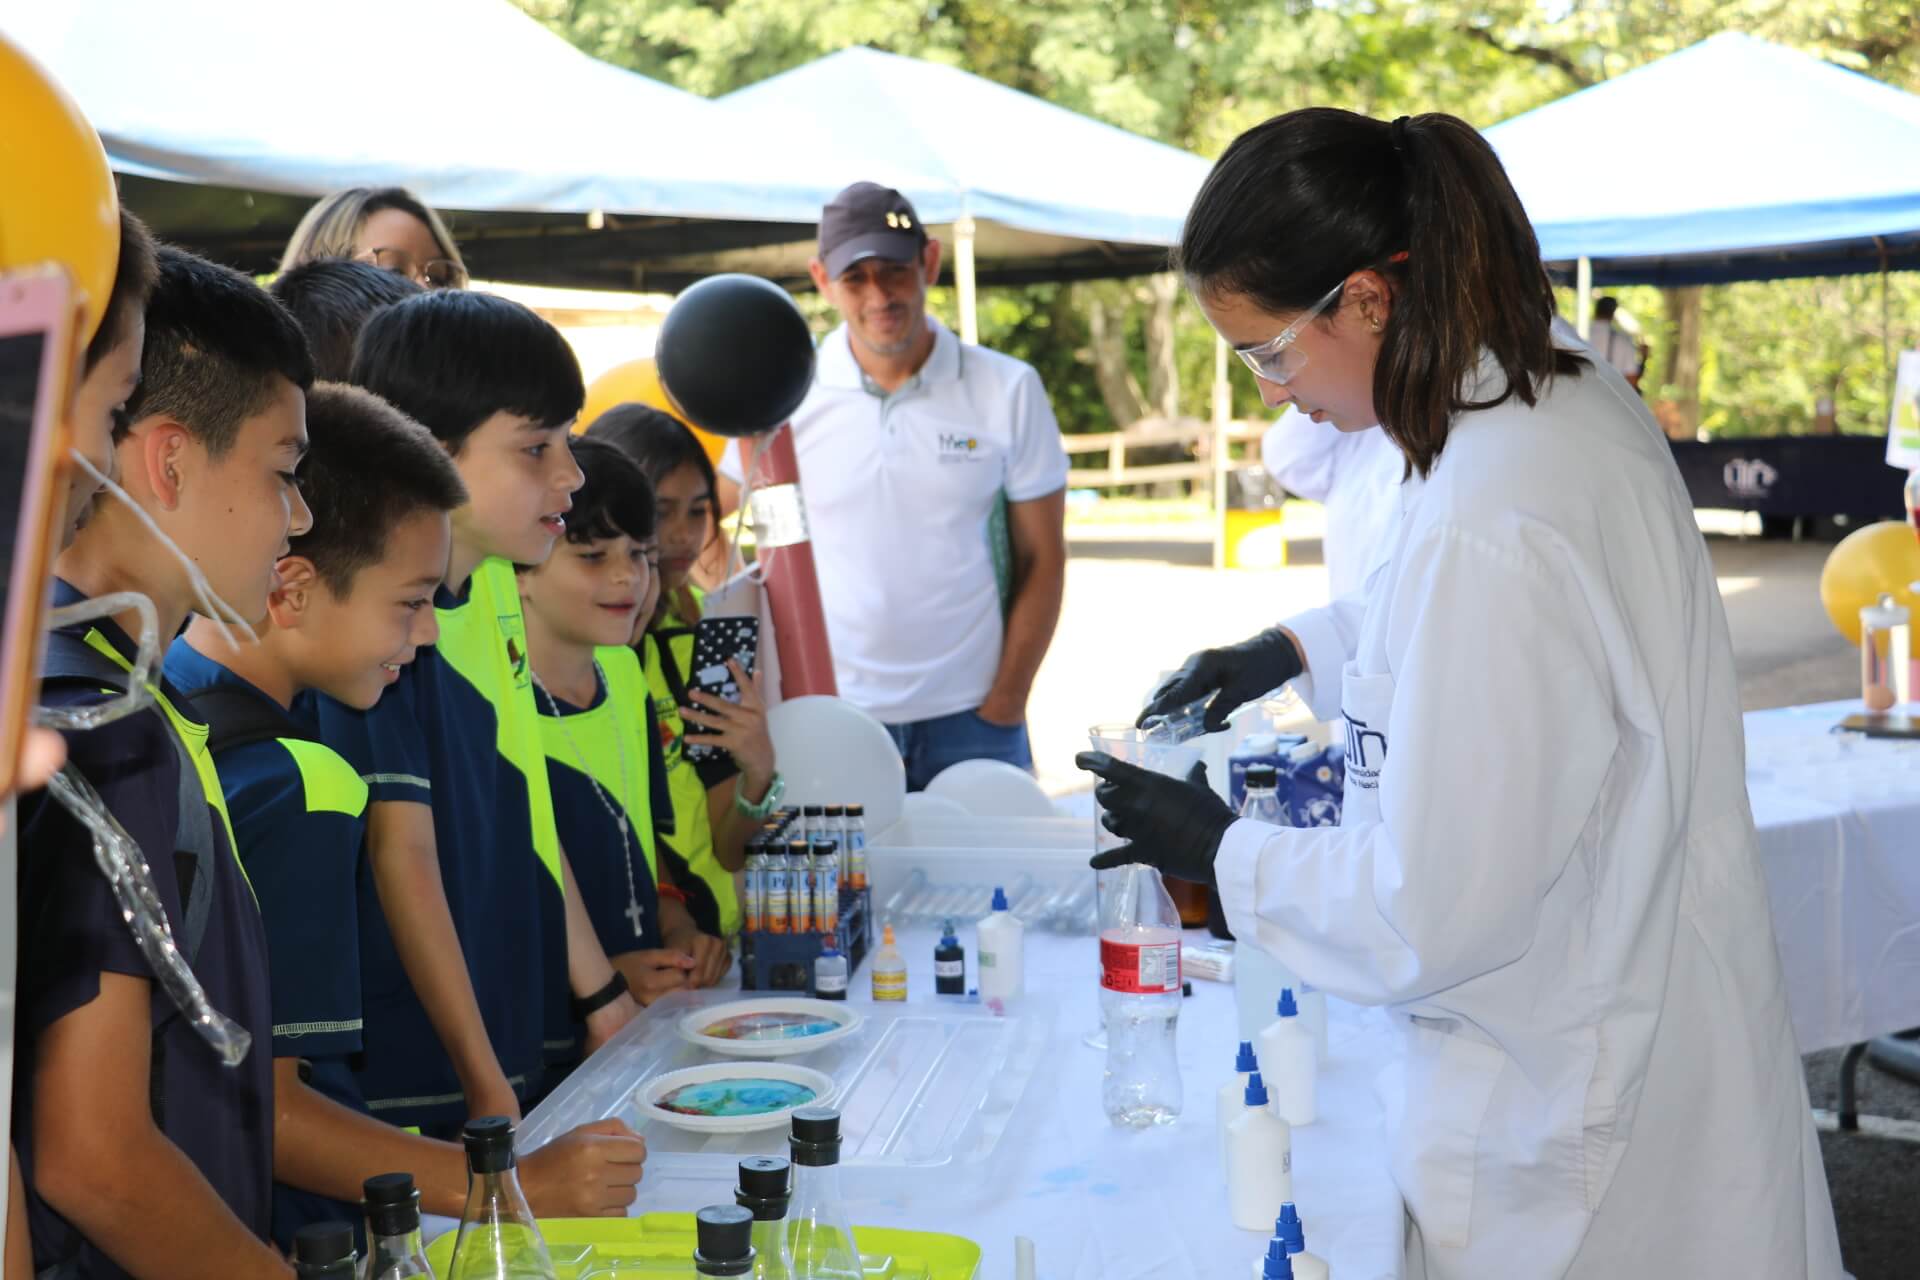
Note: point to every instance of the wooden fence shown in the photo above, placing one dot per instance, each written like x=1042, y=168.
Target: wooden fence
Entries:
x=1193, y=433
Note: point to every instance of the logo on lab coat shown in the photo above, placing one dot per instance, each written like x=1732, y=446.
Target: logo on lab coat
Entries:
x=1749, y=478
x=1366, y=752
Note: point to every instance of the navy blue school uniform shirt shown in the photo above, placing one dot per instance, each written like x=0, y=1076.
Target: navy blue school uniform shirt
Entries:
x=452, y=734
x=71, y=932
x=298, y=813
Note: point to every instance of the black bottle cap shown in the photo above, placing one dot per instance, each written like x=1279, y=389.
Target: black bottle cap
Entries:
x=856, y=811
x=825, y=847
x=725, y=1236
x=815, y=1140
x=1262, y=775
x=800, y=847
x=321, y=1244
x=489, y=1142
x=836, y=811
x=815, y=811
x=766, y=1185
x=392, y=1204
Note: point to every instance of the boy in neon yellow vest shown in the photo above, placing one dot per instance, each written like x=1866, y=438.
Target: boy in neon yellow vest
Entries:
x=604, y=761
x=352, y=607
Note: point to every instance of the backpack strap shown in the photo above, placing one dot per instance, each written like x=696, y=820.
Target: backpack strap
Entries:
x=237, y=717
x=71, y=661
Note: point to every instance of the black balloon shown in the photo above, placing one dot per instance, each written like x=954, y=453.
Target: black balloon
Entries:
x=735, y=355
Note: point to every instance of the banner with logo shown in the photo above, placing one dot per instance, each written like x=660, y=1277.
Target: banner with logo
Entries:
x=1793, y=476
x=1903, y=428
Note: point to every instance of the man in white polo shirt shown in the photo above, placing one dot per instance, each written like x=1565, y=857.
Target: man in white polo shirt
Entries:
x=935, y=486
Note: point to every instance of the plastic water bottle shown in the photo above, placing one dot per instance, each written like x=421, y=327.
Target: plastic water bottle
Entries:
x=1140, y=998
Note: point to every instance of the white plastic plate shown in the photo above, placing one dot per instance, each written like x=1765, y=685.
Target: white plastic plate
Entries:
x=653, y=1091
x=766, y=1025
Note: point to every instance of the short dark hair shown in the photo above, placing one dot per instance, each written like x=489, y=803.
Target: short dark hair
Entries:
x=659, y=442
x=332, y=298
x=368, y=467
x=451, y=359
x=1604, y=308
x=215, y=343
x=615, y=498
x=1295, y=205
x=133, y=279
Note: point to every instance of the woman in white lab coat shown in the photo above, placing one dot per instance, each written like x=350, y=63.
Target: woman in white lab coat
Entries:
x=1546, y=863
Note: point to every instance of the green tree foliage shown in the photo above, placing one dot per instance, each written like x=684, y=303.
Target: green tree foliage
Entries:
x=1196, y=72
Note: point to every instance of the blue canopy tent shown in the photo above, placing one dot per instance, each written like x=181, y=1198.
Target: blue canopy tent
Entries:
x=1016, y=177
x=225, y=117
x=1734, y=159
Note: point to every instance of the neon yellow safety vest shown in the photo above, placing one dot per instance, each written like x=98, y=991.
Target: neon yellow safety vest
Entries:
x=605, y=735
x=331, y=785
x=692, y=828
x=486, y=642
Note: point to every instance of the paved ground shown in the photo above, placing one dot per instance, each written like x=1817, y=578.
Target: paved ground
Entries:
x=1139, y=602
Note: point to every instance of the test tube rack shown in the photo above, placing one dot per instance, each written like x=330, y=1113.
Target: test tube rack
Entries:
x=784, y=961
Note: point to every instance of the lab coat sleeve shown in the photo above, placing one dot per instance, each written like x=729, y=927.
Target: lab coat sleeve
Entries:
x=1499, y=736
x=1327, y=639
x=1301, y=454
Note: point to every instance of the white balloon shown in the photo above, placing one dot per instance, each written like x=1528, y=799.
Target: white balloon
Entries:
x=992, y=789
x=831, y=752
x=925, y=805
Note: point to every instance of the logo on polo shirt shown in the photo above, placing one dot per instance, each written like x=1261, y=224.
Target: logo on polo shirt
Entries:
x=955, y=448
x=513, y=632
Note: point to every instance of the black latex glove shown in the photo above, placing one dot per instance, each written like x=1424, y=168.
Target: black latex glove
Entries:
x=1235, y=675
x=1173, y=824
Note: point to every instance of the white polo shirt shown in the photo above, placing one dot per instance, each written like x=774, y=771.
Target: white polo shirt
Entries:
x=902, y=492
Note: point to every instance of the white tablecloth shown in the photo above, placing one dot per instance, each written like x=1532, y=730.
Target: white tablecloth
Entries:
x=1839, y=824
x=1102, y=1203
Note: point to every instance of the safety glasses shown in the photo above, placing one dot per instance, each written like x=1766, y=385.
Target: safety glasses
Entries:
x=1275, y=359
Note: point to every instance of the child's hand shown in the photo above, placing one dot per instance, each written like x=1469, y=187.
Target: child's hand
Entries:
x=711, y=957
x=740, y=728
x=655, y=973
x=587, y=1172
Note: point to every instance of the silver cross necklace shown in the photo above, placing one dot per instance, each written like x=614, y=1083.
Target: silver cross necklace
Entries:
x=617, y=812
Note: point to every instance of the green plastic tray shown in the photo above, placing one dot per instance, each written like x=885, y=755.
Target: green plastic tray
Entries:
x=661, y=1245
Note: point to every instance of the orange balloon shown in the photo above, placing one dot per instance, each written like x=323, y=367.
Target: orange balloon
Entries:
x=638, y=381
x=57, y=200
x=1881, y=559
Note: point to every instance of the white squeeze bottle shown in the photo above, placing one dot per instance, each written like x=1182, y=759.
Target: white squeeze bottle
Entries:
x=888, y=969
x=1306, y=1266
x=1259, y=1161
x=1287, y=1053
x=1002, y=942
x=1232, y=1097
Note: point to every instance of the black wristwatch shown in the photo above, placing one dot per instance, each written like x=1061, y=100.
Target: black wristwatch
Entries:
x=585, y=1007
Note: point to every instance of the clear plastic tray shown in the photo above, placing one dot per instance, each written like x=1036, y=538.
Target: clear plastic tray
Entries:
x=926, y=1091
x=925, y=870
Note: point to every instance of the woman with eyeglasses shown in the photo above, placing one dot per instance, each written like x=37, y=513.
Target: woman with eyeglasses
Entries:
x=388, y=227
x=1545, y=867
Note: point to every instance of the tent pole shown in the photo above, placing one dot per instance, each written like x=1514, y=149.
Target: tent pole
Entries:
x=1222, y=417
x=1583, y=298
x=963, y=279
x=1886, y=335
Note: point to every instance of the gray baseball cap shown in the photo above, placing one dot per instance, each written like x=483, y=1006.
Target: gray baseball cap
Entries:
x=868, y=220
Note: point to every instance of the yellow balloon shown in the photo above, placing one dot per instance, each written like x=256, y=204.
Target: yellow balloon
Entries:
x=1881, y=559
x=57, y=201
x=639, y=381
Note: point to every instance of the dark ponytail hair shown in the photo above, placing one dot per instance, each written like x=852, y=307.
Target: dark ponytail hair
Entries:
x=1306, y=199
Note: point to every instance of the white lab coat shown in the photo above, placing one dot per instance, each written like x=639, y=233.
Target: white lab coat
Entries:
x=1355, y=475
x=1546, y=869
